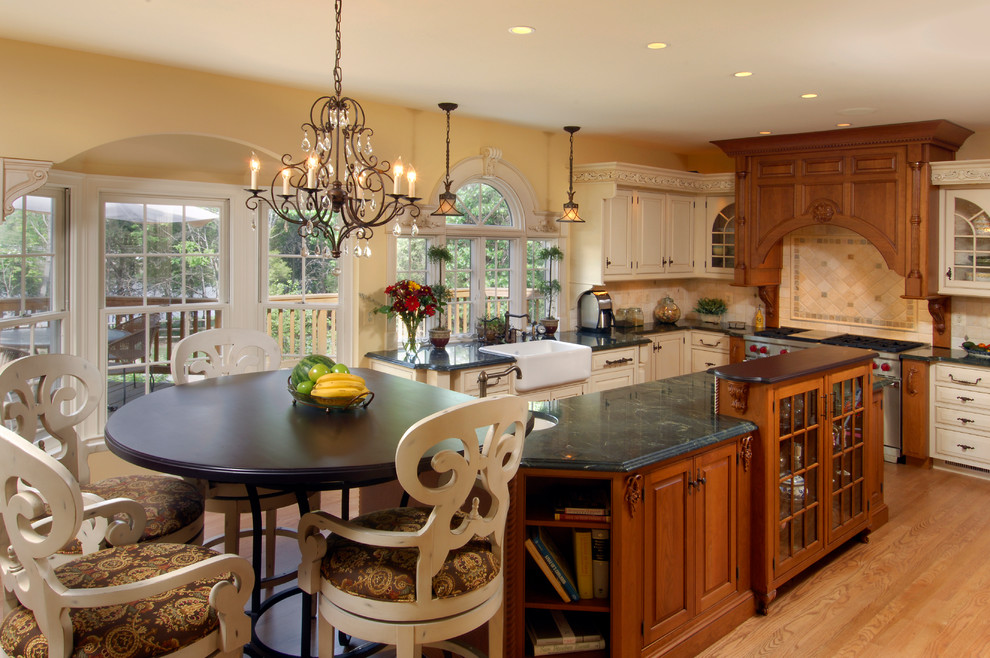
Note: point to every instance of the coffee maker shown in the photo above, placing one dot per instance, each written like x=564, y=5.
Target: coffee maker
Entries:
x=595, y=310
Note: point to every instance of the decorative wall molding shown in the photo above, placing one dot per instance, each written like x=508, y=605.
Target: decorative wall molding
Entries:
x=961, y=172
x=491, y=156
x=21, y=177
x=670, y=180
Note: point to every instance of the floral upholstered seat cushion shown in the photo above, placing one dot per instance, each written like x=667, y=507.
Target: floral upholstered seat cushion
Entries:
x=169, y=503
x=389, y=574
x=148, y=627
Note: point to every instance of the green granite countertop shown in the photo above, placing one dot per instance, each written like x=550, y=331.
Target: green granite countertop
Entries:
x=628, y=428
x=466, y=355
x=946, y=354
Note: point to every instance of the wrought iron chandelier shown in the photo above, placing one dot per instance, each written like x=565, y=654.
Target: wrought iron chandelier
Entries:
x=570, y=208
x=339, y=187
x=448, y=199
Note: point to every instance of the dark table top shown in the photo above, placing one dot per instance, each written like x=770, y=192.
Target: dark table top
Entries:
x=245, y=429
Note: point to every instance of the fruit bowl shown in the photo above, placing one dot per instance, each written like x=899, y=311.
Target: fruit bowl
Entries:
x=331, y=404
x=981, y=352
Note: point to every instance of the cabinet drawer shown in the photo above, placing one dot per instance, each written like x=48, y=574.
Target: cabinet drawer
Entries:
x=971, y=378
x=710, y=341
x=962, y=397
x=964, y=419
x=953, y=444
x=608, y=359
x=705, y=359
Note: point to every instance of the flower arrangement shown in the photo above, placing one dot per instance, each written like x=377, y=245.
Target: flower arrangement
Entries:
x=411, y=302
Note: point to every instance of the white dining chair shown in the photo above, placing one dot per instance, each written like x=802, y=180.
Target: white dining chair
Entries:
x=230, y=351
x=135, y=601
x=415, y=576
x=44, y=397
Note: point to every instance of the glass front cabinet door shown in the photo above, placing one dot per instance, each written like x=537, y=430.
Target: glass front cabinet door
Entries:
x=965, y=253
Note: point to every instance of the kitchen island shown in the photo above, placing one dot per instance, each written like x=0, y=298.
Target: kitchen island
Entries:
x=674, y=477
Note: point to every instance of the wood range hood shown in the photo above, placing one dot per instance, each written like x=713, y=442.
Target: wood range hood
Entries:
x=872, y=180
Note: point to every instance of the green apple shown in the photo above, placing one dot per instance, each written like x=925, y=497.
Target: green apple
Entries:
x=305, y=387
x=318, y=371
x=339, y=367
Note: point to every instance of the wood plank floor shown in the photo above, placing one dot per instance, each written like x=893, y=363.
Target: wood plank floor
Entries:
x=920, y=587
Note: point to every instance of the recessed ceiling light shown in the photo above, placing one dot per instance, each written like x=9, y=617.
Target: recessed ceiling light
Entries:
x=809, y=95
x=521, y=29
x=843, y=125
x=656, y=45
x=765, y=132
x=743, y=74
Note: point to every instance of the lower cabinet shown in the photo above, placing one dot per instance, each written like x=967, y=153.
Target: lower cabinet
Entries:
x=915, y=412
x=708, y=349
x=961, y=416
x=666, y=355
x=678, y=552
x=613, y=369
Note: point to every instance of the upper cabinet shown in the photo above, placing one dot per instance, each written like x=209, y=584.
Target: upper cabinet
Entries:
x=872, y=180
x=642, y=223
x=964, y=213
x=719, y=233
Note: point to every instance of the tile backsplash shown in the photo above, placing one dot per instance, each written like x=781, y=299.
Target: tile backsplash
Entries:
x=833, y=280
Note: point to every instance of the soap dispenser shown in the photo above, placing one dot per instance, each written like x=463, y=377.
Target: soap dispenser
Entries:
x=759, y=324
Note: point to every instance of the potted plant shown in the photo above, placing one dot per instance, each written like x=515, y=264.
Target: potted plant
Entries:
x=440, y=334
x=491, y=330
x=711, y=309
x=550, y=287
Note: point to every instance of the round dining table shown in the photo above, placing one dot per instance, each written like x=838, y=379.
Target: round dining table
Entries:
x=247, y=429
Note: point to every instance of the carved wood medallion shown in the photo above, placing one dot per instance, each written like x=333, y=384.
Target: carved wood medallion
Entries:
x=747, y=451
x=823, y=210
x=634, y=493
x=738, y=396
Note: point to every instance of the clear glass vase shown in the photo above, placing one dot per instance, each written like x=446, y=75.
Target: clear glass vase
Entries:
x=412, y=326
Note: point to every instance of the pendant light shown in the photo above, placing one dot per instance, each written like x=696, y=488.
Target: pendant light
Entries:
x=570, y=215
x=448, y=199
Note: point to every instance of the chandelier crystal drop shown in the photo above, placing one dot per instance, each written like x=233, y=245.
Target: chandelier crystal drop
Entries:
x=339, y=186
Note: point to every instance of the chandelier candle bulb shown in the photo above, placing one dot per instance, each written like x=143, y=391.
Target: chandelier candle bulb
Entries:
x=398, y=169
x=285, y=181
x=411, y=177
x=255, y=168
x=311, y=163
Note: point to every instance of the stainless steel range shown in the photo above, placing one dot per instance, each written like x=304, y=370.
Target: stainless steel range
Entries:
x=886, y=366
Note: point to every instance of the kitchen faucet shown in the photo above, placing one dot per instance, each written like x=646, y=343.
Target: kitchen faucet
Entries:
x=484, y=376
x=511, y=332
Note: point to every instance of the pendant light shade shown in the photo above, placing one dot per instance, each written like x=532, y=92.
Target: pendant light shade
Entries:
x=448, y=199
x=570, y=215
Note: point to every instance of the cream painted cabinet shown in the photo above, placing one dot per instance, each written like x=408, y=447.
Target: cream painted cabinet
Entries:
x=647, y=234
x=708, y=349
x=613, y=368
x=965, y=242
x=719, y=233
x=666, y=355
x=960, y=431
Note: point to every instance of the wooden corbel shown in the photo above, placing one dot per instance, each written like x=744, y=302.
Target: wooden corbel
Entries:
x=634, y=493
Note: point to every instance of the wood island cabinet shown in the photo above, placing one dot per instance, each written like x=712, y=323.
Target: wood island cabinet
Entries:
x=818, y=463
x=679, y=559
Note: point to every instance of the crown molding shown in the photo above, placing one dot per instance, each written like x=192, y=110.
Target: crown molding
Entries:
x=671, y=180
x=961, y=172
x=20, y=177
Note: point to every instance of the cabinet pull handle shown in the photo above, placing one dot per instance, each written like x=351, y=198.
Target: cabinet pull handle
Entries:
x=656, y=347
x=700, y=479
x=618, y=362
x=690, y=485
x=608, y=262
x=704, y=344
x=965, y=447
x=963, y=381
x=963, y=398
x=709, y=364
x=965, y=420
x=948, y=274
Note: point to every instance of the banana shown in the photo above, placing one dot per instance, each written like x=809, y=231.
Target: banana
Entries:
x=329, y=385
x=341, y=377
x=339, y=392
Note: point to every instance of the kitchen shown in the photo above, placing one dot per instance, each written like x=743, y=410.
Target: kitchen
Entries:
x=105, y=140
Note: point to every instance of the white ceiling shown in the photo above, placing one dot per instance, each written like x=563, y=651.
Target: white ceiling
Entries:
x=871, y=61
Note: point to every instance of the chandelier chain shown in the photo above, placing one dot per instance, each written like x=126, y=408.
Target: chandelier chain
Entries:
x=337, y=86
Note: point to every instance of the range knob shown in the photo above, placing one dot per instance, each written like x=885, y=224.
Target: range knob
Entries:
x=783, y=350
x=753, y=348
x=875, y=366
x=764, y=350
x=885, y=367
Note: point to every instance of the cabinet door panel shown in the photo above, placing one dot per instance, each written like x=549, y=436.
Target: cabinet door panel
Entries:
x=650, y=245
x=668, y=545
x=716, y=527
x=617, y=224
x=679, y=239
x=849, y=404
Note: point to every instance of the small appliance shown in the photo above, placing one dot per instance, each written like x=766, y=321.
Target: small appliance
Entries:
x=595, y=310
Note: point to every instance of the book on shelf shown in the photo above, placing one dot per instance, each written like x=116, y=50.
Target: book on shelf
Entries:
x=553, y=632
x=545, y=568
x=582, y=562
x=579, y=516
x=553, y=558
x=600, y=546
